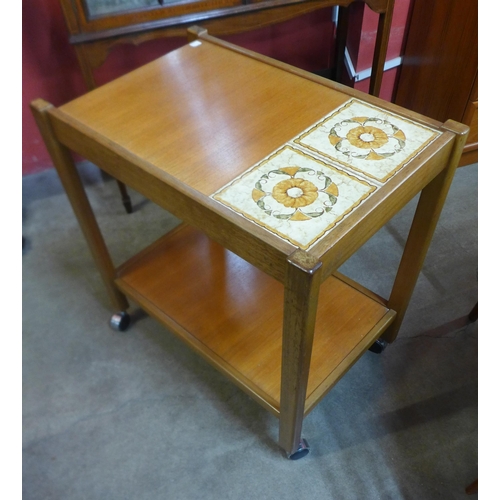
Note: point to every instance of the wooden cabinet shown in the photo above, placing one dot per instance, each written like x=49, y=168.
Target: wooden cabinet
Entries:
x=439, y=74
x=96, y=26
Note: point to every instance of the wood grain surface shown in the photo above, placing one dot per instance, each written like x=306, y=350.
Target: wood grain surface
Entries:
x=232, y=313
x=146, y=112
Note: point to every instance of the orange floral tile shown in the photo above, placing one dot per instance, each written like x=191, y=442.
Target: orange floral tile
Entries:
x=296, y=196
x=367, y=139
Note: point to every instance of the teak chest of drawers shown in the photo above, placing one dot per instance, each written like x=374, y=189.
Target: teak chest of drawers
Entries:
x=279, y=177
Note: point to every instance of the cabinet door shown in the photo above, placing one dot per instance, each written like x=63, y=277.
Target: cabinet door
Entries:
x=440, y=58
x=127, y=16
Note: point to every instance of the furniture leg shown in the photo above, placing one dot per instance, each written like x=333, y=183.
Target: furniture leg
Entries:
x=88, y=77
x=302, y=282
x=381, y=43
x=85, y=67
x=127, y=203
x=70, y=179
x=340, y=43
x=426, y=216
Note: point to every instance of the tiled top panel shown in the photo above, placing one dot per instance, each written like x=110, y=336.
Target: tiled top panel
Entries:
x=367, y=139
x=306, y=187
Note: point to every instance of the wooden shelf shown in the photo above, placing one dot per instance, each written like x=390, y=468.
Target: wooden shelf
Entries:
x=231, y=314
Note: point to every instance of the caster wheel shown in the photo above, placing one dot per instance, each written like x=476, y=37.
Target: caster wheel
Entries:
x=301, y=451
x=378, y=346
x=120, y=321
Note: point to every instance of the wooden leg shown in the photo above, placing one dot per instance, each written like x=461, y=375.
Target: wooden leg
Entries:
x=76, y=193
x=302, y=283
x=419, y=239
x=381, y=44
x=85, y=67
x=379, y=55
x=125, y=197
x=340, y=43
x=88, y=77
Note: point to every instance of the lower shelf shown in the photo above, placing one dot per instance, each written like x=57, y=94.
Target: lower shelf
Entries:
x=231, y=314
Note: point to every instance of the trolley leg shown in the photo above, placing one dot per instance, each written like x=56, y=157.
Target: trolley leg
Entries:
x=127, y=203
x=429, y=208
x=72, y=184
x=87, y=67
x=302, y=281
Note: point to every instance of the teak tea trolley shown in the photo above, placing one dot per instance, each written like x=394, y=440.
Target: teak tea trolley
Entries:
x=279, y=176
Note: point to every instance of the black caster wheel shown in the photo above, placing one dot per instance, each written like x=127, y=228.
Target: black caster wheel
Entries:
x=120, y=321
x=301, y=451
x=379, y=346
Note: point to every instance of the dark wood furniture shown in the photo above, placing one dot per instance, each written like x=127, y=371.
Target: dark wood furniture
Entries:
x=439, y=74
x=300, y=173
x=94, y=36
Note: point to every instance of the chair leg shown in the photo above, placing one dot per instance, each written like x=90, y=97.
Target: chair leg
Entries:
x=337, y=63
x=125, y=197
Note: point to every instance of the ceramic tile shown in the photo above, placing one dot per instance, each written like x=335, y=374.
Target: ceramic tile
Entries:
x=367, y=139
x=295, y=195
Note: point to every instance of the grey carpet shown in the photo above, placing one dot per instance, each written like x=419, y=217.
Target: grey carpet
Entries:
x=137, y=415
